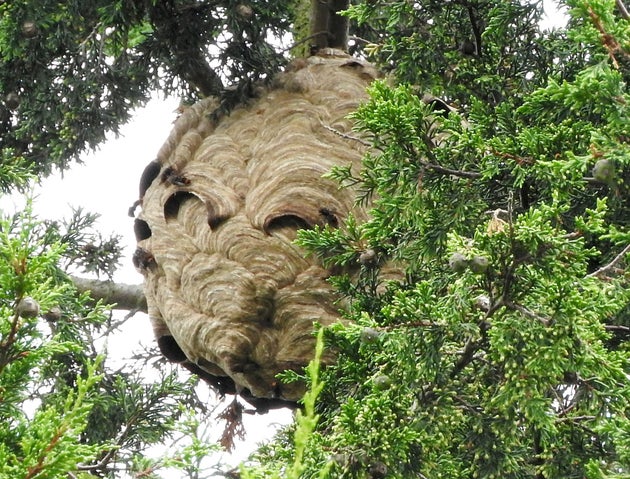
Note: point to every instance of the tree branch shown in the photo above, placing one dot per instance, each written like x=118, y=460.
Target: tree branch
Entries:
x=467, y=356
x=188, y=59
x=623, y=10
x=529, y=313
x=616, y=327
x=125, y=296
x=198, y=72
x=320, y=14
x=475, y=27
x=605, y=268
x=328, y=28
x=449, y=171
x=338, y=25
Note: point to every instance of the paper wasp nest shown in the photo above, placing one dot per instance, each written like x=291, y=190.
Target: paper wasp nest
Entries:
x=229, y=295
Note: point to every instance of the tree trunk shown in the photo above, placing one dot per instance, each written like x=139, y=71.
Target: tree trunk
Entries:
x=328, y=28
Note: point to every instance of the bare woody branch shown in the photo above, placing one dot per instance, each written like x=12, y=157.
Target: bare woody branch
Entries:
x=124, y=296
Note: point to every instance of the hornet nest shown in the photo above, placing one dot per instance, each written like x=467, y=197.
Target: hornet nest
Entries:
x=229, y=294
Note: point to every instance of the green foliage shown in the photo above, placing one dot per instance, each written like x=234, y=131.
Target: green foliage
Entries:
x=63, y=409
x=45, y=442
x=503, y=352
x=486, y=50
x=307, y=421
x=514, y=362
x=84, y=248
x=48, y=445
x=304, y=441
x=70, y=72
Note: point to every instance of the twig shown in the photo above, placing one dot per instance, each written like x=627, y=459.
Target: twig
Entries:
x=605, y=268
x=345, y=135
x=359, y=39
x=623, y=11
x=102, y=463
x=608, y=41
x=576, y=418
x=92, y=34
x=448, y=171
x=7, y=342
x=520, y=160
x=413, y=324
x=529, y=313
x=616, y=327
x=573, y=235
x=467, y=405
x=109, y=455
x=39, y=467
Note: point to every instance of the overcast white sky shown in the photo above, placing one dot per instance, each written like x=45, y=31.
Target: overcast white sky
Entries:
x=108, y=181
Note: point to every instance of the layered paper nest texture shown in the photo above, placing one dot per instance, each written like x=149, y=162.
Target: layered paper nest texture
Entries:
x=229, y=294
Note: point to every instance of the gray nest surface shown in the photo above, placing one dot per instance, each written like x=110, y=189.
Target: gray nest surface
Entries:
x=229, y=294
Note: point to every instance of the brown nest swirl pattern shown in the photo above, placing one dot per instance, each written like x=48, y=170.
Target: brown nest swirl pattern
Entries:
x=229, y=294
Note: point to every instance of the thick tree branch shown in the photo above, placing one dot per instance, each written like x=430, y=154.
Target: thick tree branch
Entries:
x=320, y=13
x=328, y=28
x=125, y=296
x=475, y=26
x=338, y=25
x=188, y=59
x=198, y=72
